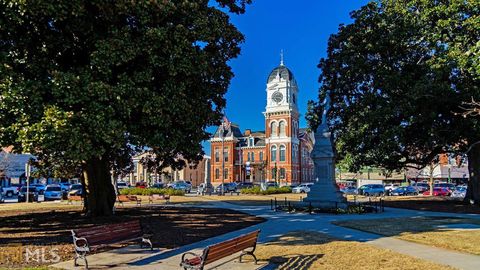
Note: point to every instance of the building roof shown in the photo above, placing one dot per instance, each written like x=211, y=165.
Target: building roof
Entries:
x=283, y=72
x=233, y=129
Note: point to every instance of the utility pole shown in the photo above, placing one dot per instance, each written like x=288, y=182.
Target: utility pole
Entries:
x=27, y=175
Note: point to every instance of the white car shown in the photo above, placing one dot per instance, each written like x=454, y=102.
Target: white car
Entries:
x=459, y=193
x=9, y=191
x=53, y=192
x=121, y=185
x=302, y=188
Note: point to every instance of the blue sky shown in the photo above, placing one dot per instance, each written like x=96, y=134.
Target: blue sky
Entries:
x=301, y=28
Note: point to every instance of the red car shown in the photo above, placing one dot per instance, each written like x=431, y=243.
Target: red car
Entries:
x=438, y=191
x=141, y=185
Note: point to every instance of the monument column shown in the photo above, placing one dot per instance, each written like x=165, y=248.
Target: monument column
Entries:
x=324, y=192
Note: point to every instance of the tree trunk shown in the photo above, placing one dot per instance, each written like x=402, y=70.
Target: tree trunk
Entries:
x=473, y=190
x=100, y=193
x=432, y=169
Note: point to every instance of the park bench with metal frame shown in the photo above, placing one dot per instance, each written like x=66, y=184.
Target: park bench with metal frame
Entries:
x=86, y=240
x=154, y=197
x=129, y=198
x=245, y=244
x=72, y=198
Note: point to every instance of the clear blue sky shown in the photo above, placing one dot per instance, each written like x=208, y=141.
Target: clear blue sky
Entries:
x=301, y=28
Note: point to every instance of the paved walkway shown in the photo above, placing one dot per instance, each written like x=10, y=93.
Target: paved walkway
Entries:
x=279, y=223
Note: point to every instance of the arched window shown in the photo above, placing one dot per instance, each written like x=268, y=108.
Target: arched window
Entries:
x=273, y=153
x=282, y=152
x=217, y=173
x=273, y=129
x=282, y=128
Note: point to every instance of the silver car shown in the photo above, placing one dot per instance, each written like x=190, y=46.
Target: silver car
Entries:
x=53, y=192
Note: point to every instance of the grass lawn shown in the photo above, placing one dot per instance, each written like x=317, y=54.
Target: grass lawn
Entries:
x=313, y=250
x=50, y=228
x=424, y=230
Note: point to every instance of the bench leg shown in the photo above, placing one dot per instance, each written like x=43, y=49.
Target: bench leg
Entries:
x=82, y=256
x=248, y=253
x=147, y=241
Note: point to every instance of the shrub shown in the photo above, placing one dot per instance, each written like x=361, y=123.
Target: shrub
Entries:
x=271, y=190
x=150, y=191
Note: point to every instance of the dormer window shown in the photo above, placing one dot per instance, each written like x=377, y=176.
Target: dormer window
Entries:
x=251, y=142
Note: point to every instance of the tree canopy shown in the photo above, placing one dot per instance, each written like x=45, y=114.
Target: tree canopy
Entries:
x=397, y=76
x=86, y=84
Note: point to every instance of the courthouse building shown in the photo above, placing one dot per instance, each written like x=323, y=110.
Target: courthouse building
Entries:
x=279, y=153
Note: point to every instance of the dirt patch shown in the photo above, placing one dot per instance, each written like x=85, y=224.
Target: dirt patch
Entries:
x=172, y=227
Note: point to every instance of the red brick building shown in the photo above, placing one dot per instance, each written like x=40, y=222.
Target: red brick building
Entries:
x=279, y=153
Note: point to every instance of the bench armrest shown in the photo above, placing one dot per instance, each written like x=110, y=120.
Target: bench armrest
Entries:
x=190, y=253
x=80, y=242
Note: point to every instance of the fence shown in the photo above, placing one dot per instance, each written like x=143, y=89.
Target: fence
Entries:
x=376, y=205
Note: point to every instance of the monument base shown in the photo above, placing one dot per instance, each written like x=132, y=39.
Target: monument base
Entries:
x=326, y=195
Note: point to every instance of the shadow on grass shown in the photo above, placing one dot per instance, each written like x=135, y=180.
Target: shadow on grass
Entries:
x=172, y=227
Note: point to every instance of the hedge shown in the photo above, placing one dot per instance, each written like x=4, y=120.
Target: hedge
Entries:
x=271, y=190
x=150, y=191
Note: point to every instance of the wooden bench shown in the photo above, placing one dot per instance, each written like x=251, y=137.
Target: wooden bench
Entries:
x=128, y=198
x=165, y=197
x=72, y=198
x=90, y=239
x=245, y=243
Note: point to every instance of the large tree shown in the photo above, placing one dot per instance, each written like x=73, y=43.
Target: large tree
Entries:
x=85, y=84
x=397, y=77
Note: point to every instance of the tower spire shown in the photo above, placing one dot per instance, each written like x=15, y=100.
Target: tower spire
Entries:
x=281, y=57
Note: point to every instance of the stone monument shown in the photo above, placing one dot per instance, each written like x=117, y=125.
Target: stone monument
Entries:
x=324, y=192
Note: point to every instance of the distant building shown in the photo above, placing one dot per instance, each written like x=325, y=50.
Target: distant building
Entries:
x=12, y=166
x=196, y=175
x=279, y=153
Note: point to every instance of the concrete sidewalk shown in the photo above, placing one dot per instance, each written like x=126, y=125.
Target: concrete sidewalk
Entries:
x=280, y=223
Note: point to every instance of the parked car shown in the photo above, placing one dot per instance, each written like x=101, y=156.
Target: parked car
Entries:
x=449, y=186
x=40, y=187
x=390, y=187
x=76, y=189
x=271, y=184
x=228, y=187
x=2, y=198
x=158, y=185
x=302, y=188
x=459, y=193
x=439, y=191
x=404, y=191
x=372, y=189
x=140, y=185
x=245, y=185
x=121, y=185
x=65, y=186
x=421, y=187
x=178, y=186
x=32, y=194
x=9, y=191
x=189, y=185
x=205, y=188
x=349, y=190
x=53, y=192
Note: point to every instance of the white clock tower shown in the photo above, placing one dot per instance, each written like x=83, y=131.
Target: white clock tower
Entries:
x=281, y=125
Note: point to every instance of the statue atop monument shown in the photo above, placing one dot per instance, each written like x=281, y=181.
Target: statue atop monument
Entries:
x=324, y=192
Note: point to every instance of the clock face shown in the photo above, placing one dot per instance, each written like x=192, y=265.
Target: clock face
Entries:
x=277, y=97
